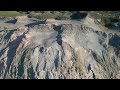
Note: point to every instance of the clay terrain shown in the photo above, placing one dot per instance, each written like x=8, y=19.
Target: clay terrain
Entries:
x=31, y=48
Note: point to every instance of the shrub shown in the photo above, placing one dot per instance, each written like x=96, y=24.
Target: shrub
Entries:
x=78, y=15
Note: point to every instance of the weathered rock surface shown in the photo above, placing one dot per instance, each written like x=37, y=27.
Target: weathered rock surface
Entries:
x=62, y=51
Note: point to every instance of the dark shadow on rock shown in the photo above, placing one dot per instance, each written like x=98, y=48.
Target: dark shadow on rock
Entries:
x=94, y=55
x=35, y=23
x=41, y=50
x=21, y=65
x=94, y=77
x=38, y=21
x=1, y=68
x=115, y=41
x=56, y=62
x=12, y=51
x=12, y=21
x=89, y=67
x=31, y=73
x=59, y=37
x=0, y=48
x=9, y=34
x=47, y=75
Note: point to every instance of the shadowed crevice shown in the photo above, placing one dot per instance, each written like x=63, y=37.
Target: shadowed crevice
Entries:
x=31, y=73
x=12, y=51
x=41, y=50
x=12, y=21
x=47, y=75
x=9, y=34
x=59, y=37
x=21, y=65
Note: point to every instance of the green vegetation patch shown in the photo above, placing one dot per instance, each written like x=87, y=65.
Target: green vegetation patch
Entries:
x=107, y=18
x=10, y=13
x=50, y=14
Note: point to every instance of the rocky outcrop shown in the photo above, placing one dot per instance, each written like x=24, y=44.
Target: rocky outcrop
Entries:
x=62, y=51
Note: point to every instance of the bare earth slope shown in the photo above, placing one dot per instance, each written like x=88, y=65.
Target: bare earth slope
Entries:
x=58, y=50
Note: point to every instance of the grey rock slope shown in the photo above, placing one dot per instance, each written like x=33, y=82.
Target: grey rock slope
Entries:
x=59, y=51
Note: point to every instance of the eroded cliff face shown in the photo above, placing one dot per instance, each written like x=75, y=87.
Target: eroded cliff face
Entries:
x=63, y=51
